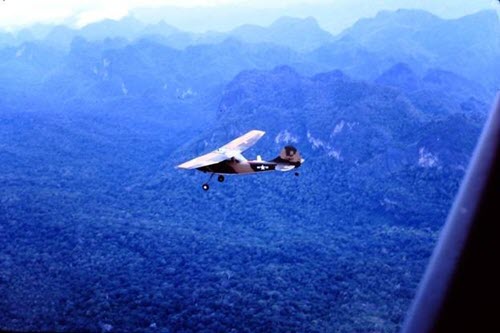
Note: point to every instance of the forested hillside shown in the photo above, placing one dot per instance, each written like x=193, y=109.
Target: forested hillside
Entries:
x=100, y=232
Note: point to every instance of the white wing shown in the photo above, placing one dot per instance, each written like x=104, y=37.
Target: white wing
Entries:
x=232, y=149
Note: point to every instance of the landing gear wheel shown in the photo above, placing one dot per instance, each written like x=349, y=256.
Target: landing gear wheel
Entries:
x=220, y=178
x=205, y=187
x=297, y=174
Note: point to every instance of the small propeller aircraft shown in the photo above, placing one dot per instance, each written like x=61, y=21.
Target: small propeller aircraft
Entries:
x=229, y=160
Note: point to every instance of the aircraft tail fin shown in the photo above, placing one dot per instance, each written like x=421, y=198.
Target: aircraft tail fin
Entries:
x=289, y=155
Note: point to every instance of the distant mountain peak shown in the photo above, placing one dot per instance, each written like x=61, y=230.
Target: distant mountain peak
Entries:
x=284, y=69
x=160, y=28
x=286, y=21
x=488, y=14
x=302, y=34
x=385, y=19
x=400, y=69
x=127, y=27
x=125, y=20
x=401, y=76
x=405, y=14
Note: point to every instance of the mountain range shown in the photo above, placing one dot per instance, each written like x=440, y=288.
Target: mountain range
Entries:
x=285, y=31
x=467, y=46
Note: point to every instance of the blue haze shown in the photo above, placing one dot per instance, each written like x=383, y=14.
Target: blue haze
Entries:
x=99, y=231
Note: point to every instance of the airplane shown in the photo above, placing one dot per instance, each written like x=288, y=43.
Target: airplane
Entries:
x=229, y=160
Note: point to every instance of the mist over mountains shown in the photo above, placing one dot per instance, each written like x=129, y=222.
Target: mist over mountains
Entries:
x=101, y=233
x=466, y=46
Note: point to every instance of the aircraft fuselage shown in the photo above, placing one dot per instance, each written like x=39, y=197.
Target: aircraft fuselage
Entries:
x=234, y=166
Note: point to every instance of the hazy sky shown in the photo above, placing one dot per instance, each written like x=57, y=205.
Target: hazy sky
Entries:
x=201, y=15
